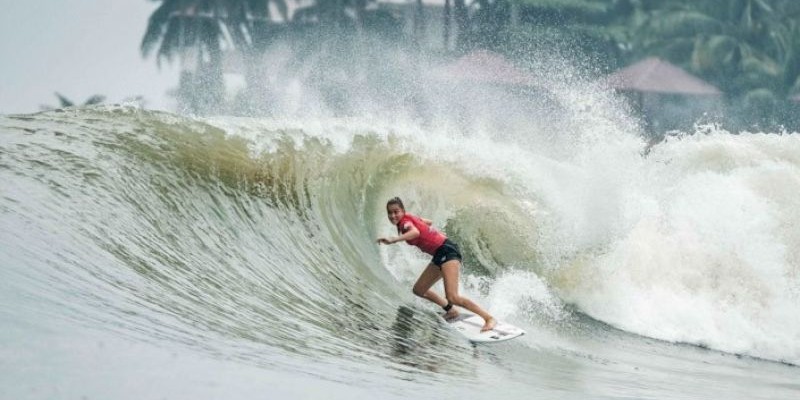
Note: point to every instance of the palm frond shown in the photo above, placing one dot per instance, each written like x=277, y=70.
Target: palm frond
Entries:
x=762, y=67
x=96, y=99
x=682, y=24
x=65, y=102
x=721, y=48
x=156, y=26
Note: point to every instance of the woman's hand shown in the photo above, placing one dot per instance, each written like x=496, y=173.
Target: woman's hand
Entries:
x=384, y=240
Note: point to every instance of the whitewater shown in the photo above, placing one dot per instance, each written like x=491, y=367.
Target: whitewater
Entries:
x=150, y=255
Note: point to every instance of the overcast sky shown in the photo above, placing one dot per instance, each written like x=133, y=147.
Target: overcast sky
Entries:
x=78, y=48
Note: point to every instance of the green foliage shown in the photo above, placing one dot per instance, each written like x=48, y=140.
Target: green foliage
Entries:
x=567, y=11
x=334, y=13
x=745, y=47
x=178, y=25
x=748, y=48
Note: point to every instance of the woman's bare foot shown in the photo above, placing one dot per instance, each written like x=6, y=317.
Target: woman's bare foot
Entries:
x=451, y=314
x=489, y=325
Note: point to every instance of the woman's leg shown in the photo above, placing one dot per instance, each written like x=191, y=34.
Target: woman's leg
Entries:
x=424, y=283
x=450, y=273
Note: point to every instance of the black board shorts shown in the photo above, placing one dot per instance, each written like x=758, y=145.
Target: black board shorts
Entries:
x=446, y=252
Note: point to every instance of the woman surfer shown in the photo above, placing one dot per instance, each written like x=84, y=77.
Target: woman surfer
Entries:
x=445, y=264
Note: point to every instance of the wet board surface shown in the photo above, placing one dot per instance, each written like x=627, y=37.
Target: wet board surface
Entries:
x=470, y=325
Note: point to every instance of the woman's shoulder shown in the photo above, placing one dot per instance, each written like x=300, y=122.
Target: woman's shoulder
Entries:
x=408, y=217
x=413, y=217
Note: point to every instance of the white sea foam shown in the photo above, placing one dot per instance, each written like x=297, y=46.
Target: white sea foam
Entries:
x=705, y=250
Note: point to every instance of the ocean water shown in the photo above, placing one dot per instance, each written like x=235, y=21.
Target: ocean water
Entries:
x=150, y=255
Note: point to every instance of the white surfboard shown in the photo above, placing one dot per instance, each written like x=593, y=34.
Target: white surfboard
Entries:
x=470, y=326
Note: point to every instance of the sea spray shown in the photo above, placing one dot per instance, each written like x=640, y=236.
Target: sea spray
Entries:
x=707, y=254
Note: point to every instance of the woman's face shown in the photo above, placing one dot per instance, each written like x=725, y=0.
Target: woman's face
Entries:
x=395, y=213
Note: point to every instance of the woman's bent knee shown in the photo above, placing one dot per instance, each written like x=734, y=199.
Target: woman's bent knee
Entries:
x=457, y=300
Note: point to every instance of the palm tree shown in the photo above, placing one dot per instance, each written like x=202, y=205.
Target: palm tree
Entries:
x=179, y=27
x=204, y=29
x=252, y=28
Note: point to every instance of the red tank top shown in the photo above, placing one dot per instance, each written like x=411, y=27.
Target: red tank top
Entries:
x=429, y=239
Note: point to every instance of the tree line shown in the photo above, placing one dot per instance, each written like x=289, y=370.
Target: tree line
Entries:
x=747, y=48
x=750, y=49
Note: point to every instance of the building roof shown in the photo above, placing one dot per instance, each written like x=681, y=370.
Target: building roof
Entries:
x=483, y=66
x=654, y=75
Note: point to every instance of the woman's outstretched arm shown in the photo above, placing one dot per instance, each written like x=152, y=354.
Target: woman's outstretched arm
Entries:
x=411, y=234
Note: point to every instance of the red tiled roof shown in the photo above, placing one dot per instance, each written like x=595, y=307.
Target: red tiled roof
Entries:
x=658, y=76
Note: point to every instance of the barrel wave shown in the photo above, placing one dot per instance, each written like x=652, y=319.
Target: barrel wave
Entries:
x=253, y=241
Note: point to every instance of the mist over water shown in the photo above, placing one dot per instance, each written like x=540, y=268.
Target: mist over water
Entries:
x=247, y=243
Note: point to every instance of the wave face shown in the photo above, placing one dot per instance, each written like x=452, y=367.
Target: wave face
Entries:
x=253, y=240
